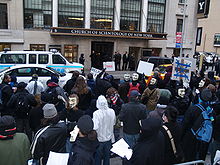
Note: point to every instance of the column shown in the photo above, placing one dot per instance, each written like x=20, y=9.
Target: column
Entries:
x=55, y=13
x=87, y=13
x=117, y=13
x=144, y=12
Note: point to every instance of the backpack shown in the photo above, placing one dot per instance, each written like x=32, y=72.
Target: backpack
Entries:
x=52, y=95
x=22, y=106
x=132, y=88
x=202, y=127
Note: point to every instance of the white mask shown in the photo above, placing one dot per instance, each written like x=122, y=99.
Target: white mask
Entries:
x=135, y=76
x=153, y=81
x=181, y=92
x=201, y=83
x=72, y=102
x=127, y=77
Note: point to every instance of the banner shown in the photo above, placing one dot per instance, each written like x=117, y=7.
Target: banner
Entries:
x=145, y=67
x=110, y=66
x=182, y=68
x=178, y=39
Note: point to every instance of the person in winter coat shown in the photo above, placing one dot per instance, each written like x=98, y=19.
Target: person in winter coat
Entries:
x=170, y=124
x=193, y=148
x=52, y=137
x=14, y=147
x=104, y=120
x=35, y=87
x=150, y=147
x=7, y=92
x=71, y=82
x=151, y=95
x=81, y=59
x=91, y=82
x=83, y=92
x=131, y=113
x=84, y=147
x=22, y=102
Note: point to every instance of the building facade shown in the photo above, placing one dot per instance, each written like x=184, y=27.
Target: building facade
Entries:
x=209, y=30
x=140, y=27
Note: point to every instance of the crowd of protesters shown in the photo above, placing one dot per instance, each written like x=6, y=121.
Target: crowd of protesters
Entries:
x=156, y=116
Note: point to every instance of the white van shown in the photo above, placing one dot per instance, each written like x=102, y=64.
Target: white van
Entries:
x=50, y=59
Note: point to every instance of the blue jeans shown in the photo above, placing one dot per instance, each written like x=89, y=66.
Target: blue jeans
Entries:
x=131, y=139
x=103, y=152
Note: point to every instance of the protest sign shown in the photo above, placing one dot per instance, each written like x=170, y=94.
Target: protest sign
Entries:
x=58, y=158
x=95, y=72
x=110, y=65
x=145, y=67
x=182, y=68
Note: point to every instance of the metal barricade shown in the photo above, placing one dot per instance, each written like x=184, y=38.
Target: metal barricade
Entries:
x=193, y=162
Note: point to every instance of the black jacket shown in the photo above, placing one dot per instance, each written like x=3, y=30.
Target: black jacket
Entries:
x=29, y=99
x=83, y=152
x=102, y=85
x=150, y=147
x=6, y=92
x=52, y=139
x=130, y=115
x=69, y=85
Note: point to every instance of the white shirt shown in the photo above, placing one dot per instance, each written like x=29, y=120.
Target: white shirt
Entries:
x=30, y=87
x=104, y=120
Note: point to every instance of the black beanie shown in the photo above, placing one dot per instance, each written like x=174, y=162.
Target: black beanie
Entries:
x=7, y=127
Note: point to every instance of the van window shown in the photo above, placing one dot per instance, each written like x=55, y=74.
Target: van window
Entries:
x=43, y=72
x=168, y=61
x=58, y=59
x=13, y=58
x=32, y=58
x=43, y=58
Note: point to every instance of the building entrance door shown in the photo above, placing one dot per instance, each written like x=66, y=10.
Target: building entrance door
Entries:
x=104, y=48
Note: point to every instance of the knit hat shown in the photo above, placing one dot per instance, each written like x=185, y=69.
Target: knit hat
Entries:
x=49, y=111
x=7, y=127
x=34, y=76
x=206, y=95
x=85, y=123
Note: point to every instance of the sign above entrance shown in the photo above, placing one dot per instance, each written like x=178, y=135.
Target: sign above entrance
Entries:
x=107, y=33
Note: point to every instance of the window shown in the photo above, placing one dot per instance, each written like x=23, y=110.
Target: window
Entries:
x=43, y=58
x=3, y=16
x=217, y=40
x=182, y=1
x=13, y=58
x=71, y=13
x=3, y=46
x=37, y=14
x=23, y=72
x=71, y=52
x=179, y=25
x=39, y=47
x=32, y=58
x=58, y=59
x=102, y=14
x=156, y=15
x=43, y=72
x=130, y=15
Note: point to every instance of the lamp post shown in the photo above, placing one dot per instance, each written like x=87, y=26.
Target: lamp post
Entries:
x=183, y=28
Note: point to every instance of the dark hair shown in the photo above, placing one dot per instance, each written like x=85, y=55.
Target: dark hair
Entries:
x=171, y=113
x=92, y=135
x=5, y=77
x=80, y=86
x=46, y=122
x=90, y=76
x=75, y=74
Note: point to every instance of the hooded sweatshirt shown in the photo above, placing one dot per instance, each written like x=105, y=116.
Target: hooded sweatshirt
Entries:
x=104, y=120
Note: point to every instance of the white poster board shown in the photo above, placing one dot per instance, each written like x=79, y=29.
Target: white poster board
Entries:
x=95, y=72
x=145, y=67
x=110, y=66
x=58, y=158
x=182, y=68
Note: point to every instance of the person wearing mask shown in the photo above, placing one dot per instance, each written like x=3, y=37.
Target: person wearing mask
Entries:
x=22, y=102
x=84, y=147
x=6, y=93
x=14, y=147
x=52, y=137
x=34, y=86
x=131, y=113
x=150, y=147
x=104, y=120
